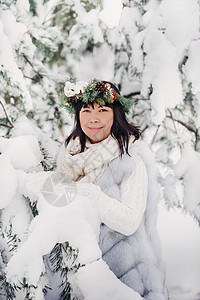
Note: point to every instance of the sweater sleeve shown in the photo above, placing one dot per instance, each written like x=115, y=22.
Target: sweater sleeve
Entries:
x=125, y=216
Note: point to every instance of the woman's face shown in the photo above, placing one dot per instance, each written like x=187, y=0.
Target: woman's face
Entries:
x=96, y=122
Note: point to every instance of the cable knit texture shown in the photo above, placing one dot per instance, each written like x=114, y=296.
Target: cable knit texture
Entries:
x=91, y=163
x=125, y=215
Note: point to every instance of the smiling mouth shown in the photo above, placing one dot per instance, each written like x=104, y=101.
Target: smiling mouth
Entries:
x=95, y=128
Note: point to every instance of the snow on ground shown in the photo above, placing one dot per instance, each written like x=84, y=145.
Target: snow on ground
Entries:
x=180, y=240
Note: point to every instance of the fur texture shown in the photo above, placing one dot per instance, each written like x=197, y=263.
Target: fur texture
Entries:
x=135, y=259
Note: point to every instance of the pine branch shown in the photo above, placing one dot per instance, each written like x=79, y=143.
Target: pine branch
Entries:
x=28, y=61
x=47, y=162
x=7, y=126
x=52, y=8
x=56, y=15
x=189, y=128
x=33, y=206
x=143, y=130
x=7, y=118
x=139, y=113
x=7, y=291
x=27, y=288
x=132, y=94
x=56, y=259
x=33, y=79
x=154, y=137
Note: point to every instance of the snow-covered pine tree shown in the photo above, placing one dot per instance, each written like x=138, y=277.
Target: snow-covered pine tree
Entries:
x=149, y=48
x=156, y=61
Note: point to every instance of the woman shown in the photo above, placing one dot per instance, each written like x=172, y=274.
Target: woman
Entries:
x=117, y=172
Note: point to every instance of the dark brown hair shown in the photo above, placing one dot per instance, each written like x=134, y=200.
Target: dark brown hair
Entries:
x=120, y=130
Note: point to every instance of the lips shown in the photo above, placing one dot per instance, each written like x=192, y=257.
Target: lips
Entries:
x=95, y=128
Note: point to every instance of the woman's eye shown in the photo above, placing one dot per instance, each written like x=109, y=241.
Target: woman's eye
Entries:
x=85, y=110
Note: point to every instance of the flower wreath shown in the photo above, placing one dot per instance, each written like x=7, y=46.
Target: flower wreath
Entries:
x=95, y=91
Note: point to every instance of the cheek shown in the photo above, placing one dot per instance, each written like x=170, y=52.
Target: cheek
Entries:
x=82, y=119
x=110, y=120
x=108, y=123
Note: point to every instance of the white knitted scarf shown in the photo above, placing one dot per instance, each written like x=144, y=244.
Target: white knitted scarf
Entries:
x=89, y=164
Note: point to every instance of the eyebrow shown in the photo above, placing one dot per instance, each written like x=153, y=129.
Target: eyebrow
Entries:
x=90, y=106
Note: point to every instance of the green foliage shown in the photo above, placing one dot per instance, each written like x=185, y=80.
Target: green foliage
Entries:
x=92, y=93
x=27, y=288
x=64, y=16
x=33, y=206
x=88, y=5
x=47, y=162
x=33, y=7
x=91, y=45
x=63, y=257
x=7, y=291
x=50, y=54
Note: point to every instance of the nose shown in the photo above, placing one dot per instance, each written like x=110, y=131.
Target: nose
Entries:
x=94, y=117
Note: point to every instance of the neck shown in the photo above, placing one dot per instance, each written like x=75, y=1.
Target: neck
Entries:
x=94, y=142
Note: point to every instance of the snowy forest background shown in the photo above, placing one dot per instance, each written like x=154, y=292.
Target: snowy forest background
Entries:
x=151, y=50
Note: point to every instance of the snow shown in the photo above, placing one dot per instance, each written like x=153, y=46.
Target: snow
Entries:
x=160, y=39
x=192, y=67
x=98, y=287
x=169, y=190
x=8, y=181
x=111, y=12
x=10, y=23
x=91, y=19
x=57, y=225
x=25, y=127
x=22, y=6
x=166, y=84
x=23, y=151
x=129, y=18
x=17, y=213
x=181, y=22
x=179, y=235
x=91, y=66
x=188, y=167
x=168, y=33
x=11, y=37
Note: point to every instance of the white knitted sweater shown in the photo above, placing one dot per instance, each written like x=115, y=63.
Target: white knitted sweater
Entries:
x=124, y=216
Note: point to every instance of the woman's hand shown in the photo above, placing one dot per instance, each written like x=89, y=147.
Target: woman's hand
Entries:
x=89, y=190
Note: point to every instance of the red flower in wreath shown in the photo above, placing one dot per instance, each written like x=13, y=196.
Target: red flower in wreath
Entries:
x=114, y=95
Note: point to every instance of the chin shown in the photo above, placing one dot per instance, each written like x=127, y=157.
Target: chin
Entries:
x=96, y=140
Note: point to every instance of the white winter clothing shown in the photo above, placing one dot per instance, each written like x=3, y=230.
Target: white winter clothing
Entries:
x=135, y=259
x=123, y=216
x=89, y=164
x=126, y=201
x=128, y=237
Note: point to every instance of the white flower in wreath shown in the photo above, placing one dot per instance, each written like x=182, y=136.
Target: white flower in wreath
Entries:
x=69, y=89
x=80, y=87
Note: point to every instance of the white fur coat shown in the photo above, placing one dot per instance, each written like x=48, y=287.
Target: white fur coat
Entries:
x=135, y=259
